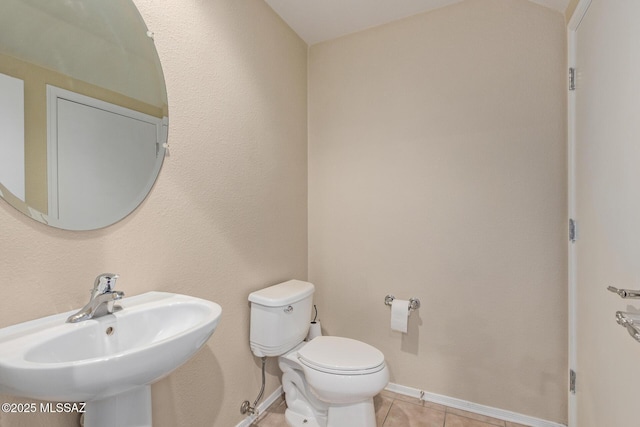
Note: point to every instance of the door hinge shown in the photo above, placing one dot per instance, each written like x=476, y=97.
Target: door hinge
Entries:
x=572, y=78
x=573, y=232
x=572, y=381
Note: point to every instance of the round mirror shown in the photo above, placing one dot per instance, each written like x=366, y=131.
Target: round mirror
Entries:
x=83, y=111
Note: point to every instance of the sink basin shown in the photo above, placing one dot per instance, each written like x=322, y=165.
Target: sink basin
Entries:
x=110, y=357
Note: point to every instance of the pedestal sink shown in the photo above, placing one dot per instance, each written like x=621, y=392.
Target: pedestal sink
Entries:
x=108, y=362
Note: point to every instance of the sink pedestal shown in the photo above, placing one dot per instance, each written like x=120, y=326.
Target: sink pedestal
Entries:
x=128, y=409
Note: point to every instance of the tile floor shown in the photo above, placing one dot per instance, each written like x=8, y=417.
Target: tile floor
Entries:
x=396, y=410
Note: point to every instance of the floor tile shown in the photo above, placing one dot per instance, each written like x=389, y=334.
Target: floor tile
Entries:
x=453, y=420
x=476, y=417
x=272, y=417
x=382, y=403
x=418, y=401
x=405, y=414
x=396, y=410
x=390, y=394
x=414, y=400
x=271, y=420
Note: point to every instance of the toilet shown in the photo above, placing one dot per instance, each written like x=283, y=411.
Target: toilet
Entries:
x=328, y=381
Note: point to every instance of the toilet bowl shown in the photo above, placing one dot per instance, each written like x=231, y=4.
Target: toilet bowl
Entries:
x=343, y=375
x=343, y=370
x=328, y=381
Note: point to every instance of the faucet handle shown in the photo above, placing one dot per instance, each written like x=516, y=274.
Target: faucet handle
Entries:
x=105, y=282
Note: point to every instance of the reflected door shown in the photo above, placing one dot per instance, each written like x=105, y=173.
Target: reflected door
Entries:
x=102, y=164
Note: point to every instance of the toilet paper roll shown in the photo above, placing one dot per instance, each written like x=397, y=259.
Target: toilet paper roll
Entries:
x=314, y=330
x=399, y=315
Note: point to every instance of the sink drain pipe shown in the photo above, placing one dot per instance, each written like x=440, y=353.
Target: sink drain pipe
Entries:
x=246, y=407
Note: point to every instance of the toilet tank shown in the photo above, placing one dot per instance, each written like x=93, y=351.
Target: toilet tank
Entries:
x=280, y=316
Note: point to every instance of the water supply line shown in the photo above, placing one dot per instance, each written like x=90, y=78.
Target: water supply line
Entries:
x=246, y=407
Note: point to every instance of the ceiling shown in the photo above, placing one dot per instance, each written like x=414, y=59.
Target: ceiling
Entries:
x=319, y=20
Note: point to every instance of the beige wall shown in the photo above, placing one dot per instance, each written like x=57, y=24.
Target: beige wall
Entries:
x=228, y=214
x=571, y=7
x=437, y=171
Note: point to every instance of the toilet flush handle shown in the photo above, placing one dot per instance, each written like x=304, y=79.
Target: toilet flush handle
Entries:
x=289, y=309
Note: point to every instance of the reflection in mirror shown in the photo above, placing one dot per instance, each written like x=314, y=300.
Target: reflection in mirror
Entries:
x=83, y=111
x=12, y=125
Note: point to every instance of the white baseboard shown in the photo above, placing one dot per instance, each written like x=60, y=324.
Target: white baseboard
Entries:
x=261, y=408
x=472, y=407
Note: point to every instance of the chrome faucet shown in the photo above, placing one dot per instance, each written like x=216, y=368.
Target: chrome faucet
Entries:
x=102, y=302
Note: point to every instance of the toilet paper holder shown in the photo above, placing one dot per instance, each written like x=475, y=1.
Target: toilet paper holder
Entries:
x=414, y=303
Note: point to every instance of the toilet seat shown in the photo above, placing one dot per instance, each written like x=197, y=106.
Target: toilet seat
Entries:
x=341, y=356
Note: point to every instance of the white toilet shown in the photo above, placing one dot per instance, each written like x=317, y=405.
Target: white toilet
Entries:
x=328, y=381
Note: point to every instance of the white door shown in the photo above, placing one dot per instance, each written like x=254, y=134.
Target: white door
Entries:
x=605, y=200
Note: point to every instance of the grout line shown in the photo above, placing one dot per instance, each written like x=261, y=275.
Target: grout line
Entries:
x=388, y=411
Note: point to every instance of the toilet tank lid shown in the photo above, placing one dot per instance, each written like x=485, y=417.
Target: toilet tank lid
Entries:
x=282, y=294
